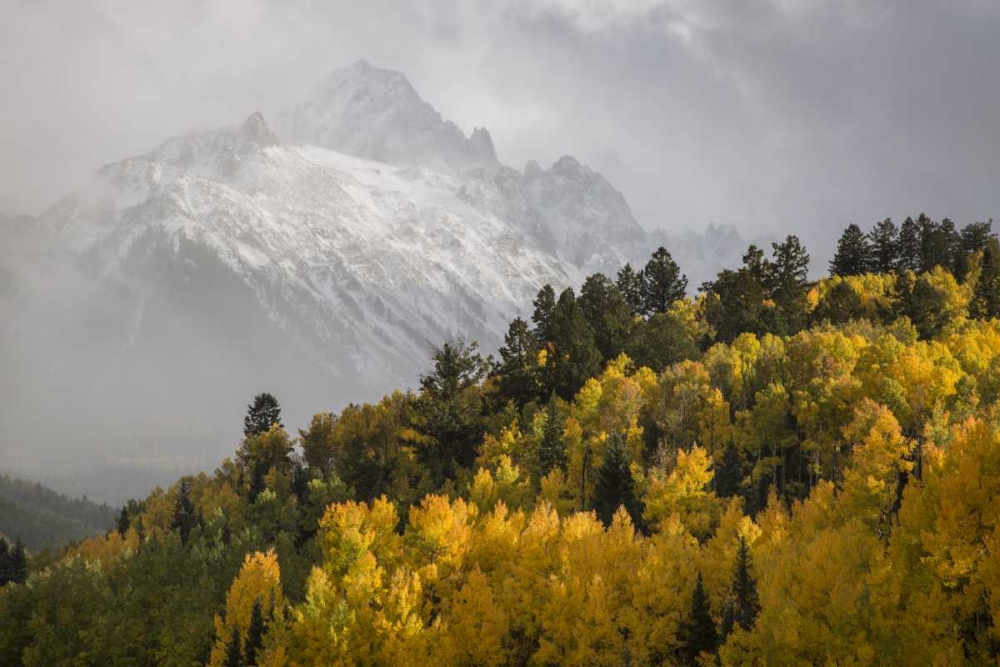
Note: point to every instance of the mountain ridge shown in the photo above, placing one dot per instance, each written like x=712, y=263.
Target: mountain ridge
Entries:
x=228, y=260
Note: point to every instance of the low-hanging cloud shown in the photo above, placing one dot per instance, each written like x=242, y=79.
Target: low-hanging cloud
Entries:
x=775, y=115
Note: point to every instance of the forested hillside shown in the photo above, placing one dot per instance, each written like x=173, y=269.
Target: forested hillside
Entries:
x=777, y=472
x=41, y=518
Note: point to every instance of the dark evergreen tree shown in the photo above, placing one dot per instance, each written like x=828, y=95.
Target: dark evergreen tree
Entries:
x=853, y=255
x=986, y=295
x=450, y=408
x=545, y=305
x=615, y=487
x=573, y=355
x=234, y=654
x=185, y=516
x=262, y=414
x=746, y=604
x=739, y=296
x=255, y=634
x=122, y=520
x=909, y=254
x=840, y=304
x=517, y=372
x=697, y=632
x=629, y=282
x=608, y=314
x=884, y=243
x=789, y=284
x=552, y=449
x=662, y=283
x=660, y=341
x=18, y=559
x=729, y=474
x=258, y=481
x=974, y=239
x=5, y=562
x=938, y=242
x=923, y=303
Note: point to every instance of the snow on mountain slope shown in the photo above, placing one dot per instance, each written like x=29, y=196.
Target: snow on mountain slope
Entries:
x=376, y=113
x=141, y=313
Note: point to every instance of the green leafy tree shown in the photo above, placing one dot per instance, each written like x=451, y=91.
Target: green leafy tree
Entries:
x=317, y=449
x=853, y=253
x=615, y=487
x=262, y=414
x=662, y=283
x=630, y=284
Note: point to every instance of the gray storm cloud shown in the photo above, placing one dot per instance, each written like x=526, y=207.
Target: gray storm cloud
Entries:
x=773, y=115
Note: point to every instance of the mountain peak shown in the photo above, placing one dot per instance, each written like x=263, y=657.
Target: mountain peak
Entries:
x=255, y=131
x=376, y=113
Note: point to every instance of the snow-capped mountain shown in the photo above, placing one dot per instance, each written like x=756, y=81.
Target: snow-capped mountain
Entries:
x=375, y=113
x=320, y=263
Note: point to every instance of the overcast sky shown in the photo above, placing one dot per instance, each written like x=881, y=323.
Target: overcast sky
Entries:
x=773, y=115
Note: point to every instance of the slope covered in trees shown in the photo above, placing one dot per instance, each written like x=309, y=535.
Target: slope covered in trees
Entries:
x=41, y=518
x=776, y=472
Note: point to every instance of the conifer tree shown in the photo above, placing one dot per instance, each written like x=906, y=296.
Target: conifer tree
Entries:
x=615, y=487
x=450, y=407
x=258, y=483
x=552, y=450
x=234, y=654
x=698, y=630
x=18, y=559
x=5, y=562
x=574, y=356
x=884, y=243
x=853, y=253
x=789, y=283
x=518, y=370
x=743, y=604
x=630, y=284
x=662, y=283
x=262, y=414
x=986, y=296
x=908, y=255
x=974, y=238
x=185, y=517
x=729, y=475
x=255, y=634
x=608, y=314
x=122, y=521
x=545, y=305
